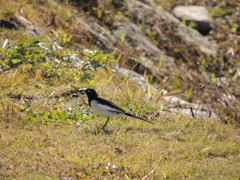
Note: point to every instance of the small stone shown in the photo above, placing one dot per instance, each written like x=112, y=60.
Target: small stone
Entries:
x=196, y=14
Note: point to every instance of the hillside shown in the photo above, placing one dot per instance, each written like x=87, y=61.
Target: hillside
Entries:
x=137, y=54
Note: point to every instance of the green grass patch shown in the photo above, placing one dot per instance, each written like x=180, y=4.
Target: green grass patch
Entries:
x=169, y=149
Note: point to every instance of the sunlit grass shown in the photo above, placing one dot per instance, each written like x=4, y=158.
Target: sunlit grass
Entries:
x=172, y=148
x=46, y=135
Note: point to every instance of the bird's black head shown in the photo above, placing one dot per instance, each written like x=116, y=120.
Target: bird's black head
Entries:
x=91, y=93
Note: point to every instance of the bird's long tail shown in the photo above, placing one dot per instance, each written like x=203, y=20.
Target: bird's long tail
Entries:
x=138, y=118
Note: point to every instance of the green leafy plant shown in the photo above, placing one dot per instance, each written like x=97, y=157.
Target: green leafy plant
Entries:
x=27, y=50
x=97, y=59
x=62, y=36
x=221, y=11
x=35, y=55
x=33, y=115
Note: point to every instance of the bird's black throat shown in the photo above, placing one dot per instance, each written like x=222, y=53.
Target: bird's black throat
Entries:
x=91, y=94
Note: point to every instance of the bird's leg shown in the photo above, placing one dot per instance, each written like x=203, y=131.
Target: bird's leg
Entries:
x=106, y=123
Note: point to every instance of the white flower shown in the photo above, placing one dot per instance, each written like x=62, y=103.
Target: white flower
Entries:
x=164, y=92
x=114, y=166
x=108, y=165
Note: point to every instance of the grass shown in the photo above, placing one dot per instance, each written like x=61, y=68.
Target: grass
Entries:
x=41, y=138
x=52, y=148
x=185, y=148
x=47, y=134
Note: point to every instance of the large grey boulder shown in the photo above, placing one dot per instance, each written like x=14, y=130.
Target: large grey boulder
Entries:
x=197, y=14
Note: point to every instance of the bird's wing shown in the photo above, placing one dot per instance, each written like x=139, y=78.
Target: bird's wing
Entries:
x=112, y=106
x=116, y=109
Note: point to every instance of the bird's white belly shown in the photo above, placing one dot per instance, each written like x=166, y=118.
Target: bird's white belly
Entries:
x=103, y=110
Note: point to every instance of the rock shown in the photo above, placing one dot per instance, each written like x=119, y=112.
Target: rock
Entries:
x=126, y=36
x=101, y=35
x=130, y=33
x=148, y=53
x=169, y=29
x=188, y=113
x=30, y=28
x=35, y=31
x=128, y=39
x=137, y=78
x=196, y=14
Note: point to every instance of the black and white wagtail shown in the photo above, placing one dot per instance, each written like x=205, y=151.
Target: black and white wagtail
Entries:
x=103, y=107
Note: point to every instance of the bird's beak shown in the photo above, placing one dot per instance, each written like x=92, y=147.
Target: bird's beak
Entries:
x=81, y=90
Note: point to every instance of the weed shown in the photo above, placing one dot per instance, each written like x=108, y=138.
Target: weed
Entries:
x=62, y=36
x=176, y=80
x=189, y=93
